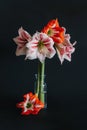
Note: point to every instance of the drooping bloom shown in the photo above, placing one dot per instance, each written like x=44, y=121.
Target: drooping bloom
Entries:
x=21, y=40
x=30, y=105
x=65, y=49
x=53, y=30
x=41, y=46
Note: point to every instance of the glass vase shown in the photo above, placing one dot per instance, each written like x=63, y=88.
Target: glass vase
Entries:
x=40, y=88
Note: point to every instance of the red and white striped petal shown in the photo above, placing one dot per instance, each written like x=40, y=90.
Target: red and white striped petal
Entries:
x=24, y=34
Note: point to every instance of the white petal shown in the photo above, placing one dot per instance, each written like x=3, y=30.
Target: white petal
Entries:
x=37, y=106
x=51, y=54
x=33, y=100
x=32, y=43
x=31, y=54
x=20, y=51
x=25, y=109
x=61, y=58
x=41, y=57
x=28, y=97
x=74, y=43
x=36, y=36
x=24, y=34
x=67, y=58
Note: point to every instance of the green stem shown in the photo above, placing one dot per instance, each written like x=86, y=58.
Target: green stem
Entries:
x=38, y=79
x=41, y=91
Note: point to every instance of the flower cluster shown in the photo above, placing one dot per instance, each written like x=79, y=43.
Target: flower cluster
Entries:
x=51, y=40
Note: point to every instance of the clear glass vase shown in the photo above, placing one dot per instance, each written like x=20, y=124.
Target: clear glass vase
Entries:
x=40, y=88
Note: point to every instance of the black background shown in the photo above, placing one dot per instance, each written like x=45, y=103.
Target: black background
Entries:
x=67, y=84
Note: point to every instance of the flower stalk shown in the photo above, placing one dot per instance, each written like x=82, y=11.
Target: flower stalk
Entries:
x=40, y=81
x=41, y=92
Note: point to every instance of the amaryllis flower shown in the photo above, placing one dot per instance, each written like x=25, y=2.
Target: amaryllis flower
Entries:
x=53, y=30
x=65, y=49
x=41, y=46
x=21, y=40
x=30, y=105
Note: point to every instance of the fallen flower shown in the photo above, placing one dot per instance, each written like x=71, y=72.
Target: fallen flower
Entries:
x=30, y=105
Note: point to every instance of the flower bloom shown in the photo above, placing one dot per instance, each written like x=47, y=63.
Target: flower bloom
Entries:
x=41, y=46
x=65, y=49
x=62, y=41
x=21, y=40
x=53, y=30
x=30, y=105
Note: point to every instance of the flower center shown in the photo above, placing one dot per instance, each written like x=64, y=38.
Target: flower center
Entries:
x=40, y=44
x=50, y=32
x=28, y=105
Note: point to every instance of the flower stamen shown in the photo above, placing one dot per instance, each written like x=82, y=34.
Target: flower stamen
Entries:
x=29, y=105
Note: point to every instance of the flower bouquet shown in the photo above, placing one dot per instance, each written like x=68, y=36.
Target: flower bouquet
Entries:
x=45, y=44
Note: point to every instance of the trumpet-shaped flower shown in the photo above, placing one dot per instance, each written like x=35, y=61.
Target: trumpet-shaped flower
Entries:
x=53, y=30
x=41, y=46
x=65, y=49
x=21, y=40
x=30, y=105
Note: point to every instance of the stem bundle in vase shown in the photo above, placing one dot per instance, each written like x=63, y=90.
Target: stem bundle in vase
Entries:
x=41, y=81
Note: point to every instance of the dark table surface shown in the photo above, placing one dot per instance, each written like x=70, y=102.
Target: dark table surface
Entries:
x=67, y=84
